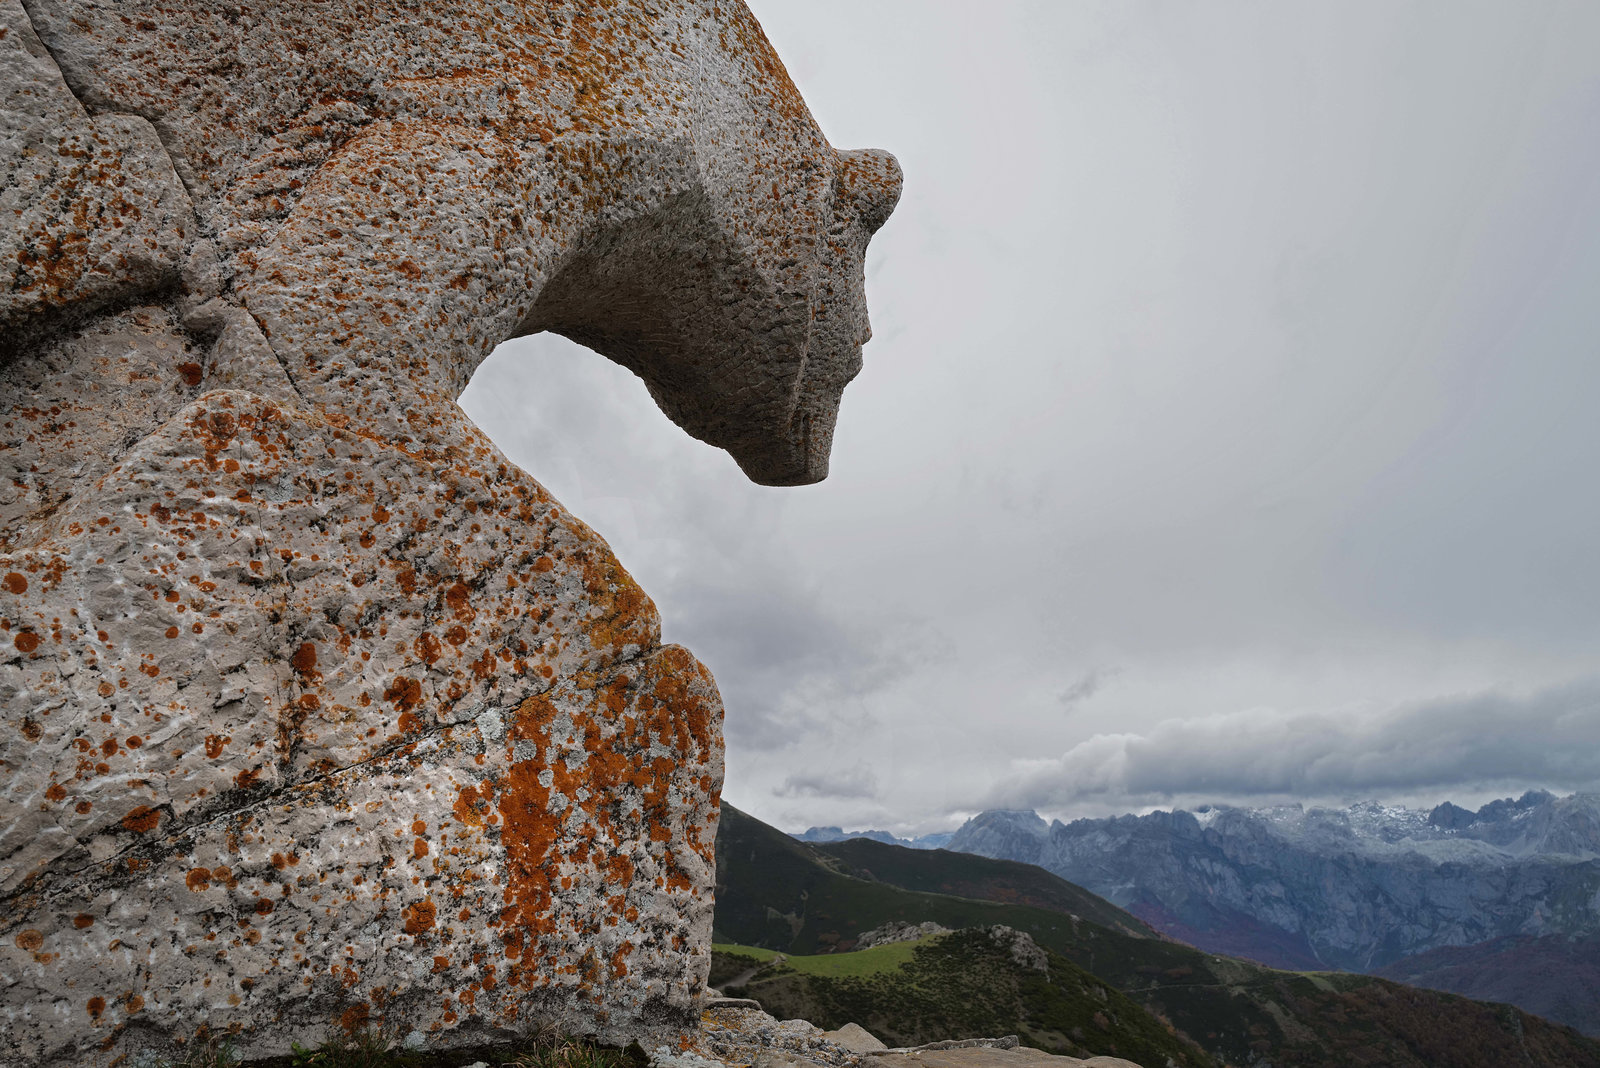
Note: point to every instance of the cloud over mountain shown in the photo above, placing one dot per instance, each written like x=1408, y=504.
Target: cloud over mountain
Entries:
x=1465, y=743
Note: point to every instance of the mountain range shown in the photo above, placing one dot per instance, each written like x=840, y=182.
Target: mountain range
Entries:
x=835, y=834
x=815, y=901
x=1496, y=902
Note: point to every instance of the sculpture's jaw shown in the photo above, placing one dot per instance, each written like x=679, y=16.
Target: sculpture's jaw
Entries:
x=796, y=452
x=791, y=467
x=794, y=476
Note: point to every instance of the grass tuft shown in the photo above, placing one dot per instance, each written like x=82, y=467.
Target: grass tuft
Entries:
x=370, y=1049
x=363, y=1049
x=207, y=1051
x=571, y=1053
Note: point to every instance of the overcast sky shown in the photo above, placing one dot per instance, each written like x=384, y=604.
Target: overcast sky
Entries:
x=1229, y=430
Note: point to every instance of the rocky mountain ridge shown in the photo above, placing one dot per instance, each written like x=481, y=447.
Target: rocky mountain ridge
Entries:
x=1353, y=888
x=837, y=834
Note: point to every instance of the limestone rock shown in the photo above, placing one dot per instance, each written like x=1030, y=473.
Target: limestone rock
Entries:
x=321, y=713
x=854, y=1037
x=1024, y=950
x=988, y=1057
x=729, y=1035
x=898, y=931
x=741, y=1035
x=94, y=212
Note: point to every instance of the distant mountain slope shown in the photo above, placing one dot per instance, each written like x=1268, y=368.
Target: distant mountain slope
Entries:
x=1554, y=976
x=816, y=835
x=965, y=875
x=775, y=892
x=1355, y=888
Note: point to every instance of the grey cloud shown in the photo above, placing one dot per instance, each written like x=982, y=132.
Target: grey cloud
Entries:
x=1457, y=744
x=1086, y=686
x=792, y=667
x=855, y=782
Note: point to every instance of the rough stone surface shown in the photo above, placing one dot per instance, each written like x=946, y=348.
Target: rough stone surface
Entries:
x=1024, y=950
x=93, y=211
x=750, y=1038
x=319, y=713
x=853, y=1036
x=898, y=931
x=989, y=1057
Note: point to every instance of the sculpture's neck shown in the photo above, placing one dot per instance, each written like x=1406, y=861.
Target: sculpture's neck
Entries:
x=381, y=312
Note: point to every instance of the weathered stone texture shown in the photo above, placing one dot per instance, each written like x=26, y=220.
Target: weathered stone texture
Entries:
x=92, y=210
x=317, y=712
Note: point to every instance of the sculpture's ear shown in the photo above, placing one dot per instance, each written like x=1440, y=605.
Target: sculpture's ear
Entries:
x=871, y=179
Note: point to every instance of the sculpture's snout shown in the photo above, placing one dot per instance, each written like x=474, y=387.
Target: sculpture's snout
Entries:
x=868, y=184
x=798, y=456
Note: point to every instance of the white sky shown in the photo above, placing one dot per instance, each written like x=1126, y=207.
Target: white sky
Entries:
x=1228, y=432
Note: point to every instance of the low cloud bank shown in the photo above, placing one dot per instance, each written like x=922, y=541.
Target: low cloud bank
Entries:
x=1458, y=744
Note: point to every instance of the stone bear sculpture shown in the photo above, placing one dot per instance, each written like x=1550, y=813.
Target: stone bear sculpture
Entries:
x=321, y=714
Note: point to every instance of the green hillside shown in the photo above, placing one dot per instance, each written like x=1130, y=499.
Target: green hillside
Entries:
x=860, y=962
x=967, y=984
x=784, y=895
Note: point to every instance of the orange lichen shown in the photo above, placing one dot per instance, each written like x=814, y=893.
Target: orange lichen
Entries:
x=619, y=968
x=528, y=832
x=404, y=692
x=304, y=660
x=419, y=917
x=470, y=803
x=458, y=598
x=355, y=1018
